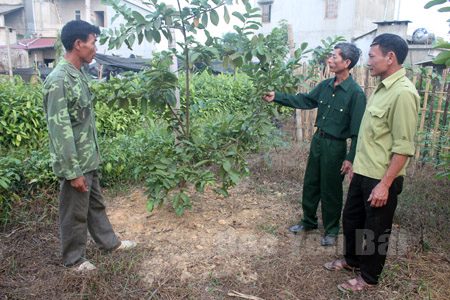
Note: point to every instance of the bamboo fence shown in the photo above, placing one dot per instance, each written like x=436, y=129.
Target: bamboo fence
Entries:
x=432, y=136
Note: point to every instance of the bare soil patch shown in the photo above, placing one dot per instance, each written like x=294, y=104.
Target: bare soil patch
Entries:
x=240, y=243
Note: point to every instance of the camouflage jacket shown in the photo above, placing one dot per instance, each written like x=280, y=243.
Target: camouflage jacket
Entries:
x=70, y=122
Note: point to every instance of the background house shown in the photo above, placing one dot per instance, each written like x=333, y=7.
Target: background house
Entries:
x=31, y=27
x=359, y=21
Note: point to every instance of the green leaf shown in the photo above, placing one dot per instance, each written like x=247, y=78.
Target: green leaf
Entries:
x=234, y=176
x=156, y=36
x=303, y=46
x=205, y=19
x=139, y=18
x=226, y=15
x=433, y=3
x=239, y=16
x=444, y=9
x=200, y=163
x=168, y=20
x=3, y=184
x=165, y=161
x=252, y=26
x=214, y=16
x=157, y=23
x=235, y=55
x=442, y=58
x=148, y=35
x=179, y=210
x=171, y=99
x=150, y=206
x=185, y=198
x=226, y=166
x=442, y=45
x=131, y=40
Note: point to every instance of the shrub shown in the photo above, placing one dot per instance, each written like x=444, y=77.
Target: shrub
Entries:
x=22, y=122
x=226, y=93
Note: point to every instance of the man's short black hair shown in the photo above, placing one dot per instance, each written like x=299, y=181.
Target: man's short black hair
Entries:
x=392, y=42
x=349, y=51
x=77, y=30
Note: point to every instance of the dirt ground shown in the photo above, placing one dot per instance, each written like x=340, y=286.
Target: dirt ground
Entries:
x=237, y=247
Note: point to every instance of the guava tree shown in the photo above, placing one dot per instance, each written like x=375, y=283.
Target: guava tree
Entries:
x=216, y=153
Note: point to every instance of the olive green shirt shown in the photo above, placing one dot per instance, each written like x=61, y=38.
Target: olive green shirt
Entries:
x=70, y=122
x=388, y=126
x=340, y=108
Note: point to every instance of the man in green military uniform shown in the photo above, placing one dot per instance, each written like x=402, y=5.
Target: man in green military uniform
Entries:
x=341, y=103
x=74, y=151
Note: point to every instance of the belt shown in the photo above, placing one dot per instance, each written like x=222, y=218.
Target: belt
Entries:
x=325, y=135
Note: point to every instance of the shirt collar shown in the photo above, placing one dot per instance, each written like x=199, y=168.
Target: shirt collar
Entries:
x=388, y=82
x=344, y=84
x=71, y=70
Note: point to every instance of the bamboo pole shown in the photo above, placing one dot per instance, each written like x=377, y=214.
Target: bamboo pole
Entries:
x=422, y=119
x=438, y=114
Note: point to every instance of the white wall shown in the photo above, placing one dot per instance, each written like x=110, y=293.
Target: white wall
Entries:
x=143, y=50
x=308, y=20
x=68, y=8
x=367, y=12
x=5, y=33
x=46, y=19
x=354, y=18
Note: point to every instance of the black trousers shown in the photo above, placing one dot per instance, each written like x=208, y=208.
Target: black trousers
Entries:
x=367, y=229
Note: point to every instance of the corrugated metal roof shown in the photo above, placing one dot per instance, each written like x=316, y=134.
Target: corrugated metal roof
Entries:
x=38, y=43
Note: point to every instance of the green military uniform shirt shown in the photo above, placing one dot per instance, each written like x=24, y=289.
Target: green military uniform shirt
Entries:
x=70, y=121
x=388, y=126
x=340, y=108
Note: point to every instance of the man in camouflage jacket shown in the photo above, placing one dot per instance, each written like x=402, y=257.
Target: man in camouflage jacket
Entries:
x=74, y=150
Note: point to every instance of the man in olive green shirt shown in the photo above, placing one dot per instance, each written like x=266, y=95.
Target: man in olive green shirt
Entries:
x=74, y=151
x=340, y=102
x=385, y=143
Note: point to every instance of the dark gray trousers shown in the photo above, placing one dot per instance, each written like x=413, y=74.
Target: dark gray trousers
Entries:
x=80, y=212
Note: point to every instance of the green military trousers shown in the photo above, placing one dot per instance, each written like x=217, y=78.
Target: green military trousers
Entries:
x=323, y=181
x=80, y=212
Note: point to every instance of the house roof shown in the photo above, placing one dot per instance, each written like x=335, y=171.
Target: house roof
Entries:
x=5, y=9
x=429, y=63
x=392, y=22
x=38, y=43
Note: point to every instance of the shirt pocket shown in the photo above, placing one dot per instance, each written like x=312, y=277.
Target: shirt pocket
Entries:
x=322, y=106
x=83, y=104
x=377, y=118
x=340, y=114
x=83, y=111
